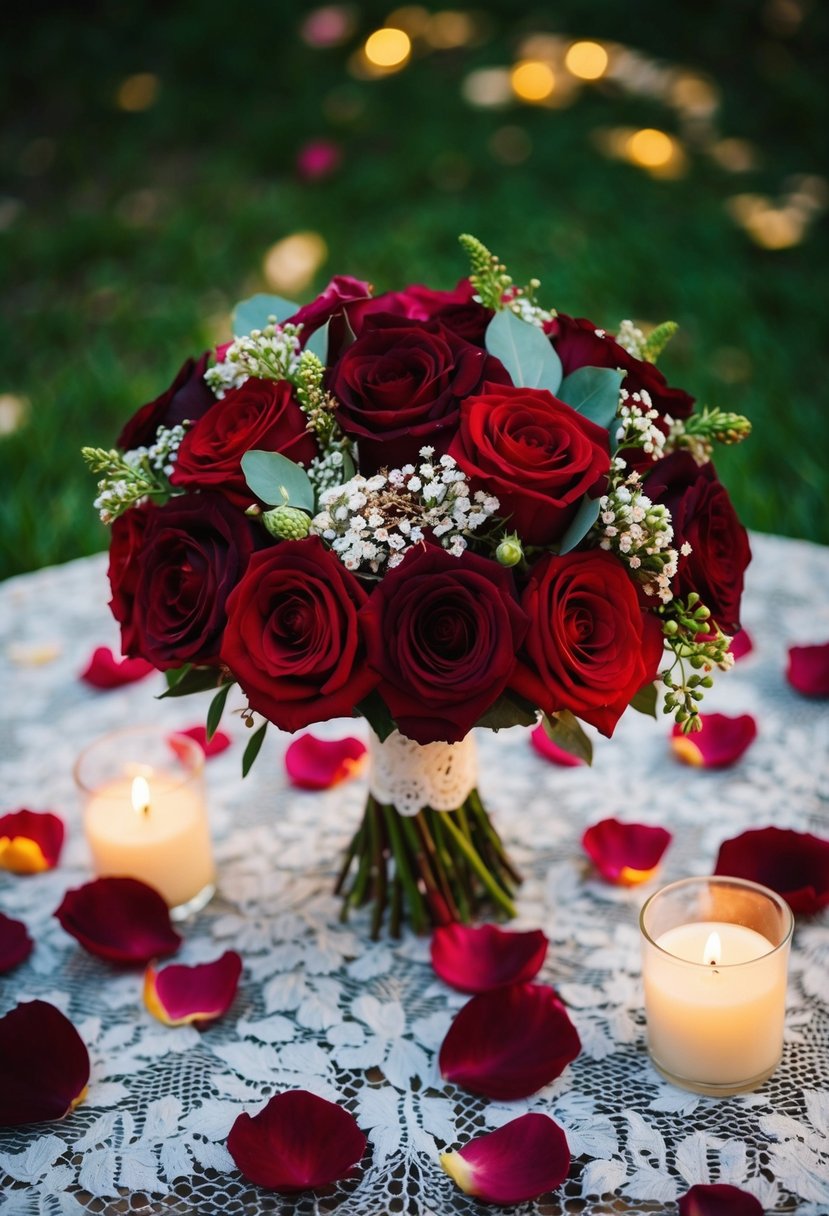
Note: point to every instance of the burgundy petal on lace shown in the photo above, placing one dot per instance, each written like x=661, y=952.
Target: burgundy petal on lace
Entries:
x=721, y=742
x=120, y=919
x=808, y=670
x=625, y=853
x=178, y=995
x=15, y=943
x=480, y=959
x=741, y=644
x=551, y=751
x=794, y=864
x=218, y=744
x=30, y=841
x=44, y=1065
x=719, y=1199
x=509, y=1043
x=521, y=1160
x=298, y=1142
x=317, y=764
x=105, y=671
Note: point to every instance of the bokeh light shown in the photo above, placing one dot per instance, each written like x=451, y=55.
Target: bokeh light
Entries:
x=586, y=60
x=449, y=29
x=330, y=25
x=14, y=412
x=532, y=80
x=291, y=263
x=138, y=92
x=487, y=87
x=388, y=48
x=414, y=19
x=650, y=148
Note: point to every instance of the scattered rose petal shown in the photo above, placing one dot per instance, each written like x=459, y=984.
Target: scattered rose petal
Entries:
x=721, y=742
x=521, y=1160
x=318, y=159
x=218, y=744
x=625, y=853
x=551, y=751
x=741, y=644
x=15, y=943
x=44, y=1065
x=794, y=864
x=808, y=670
x=509, y=1043
x=719, y=1199
x=480, y=959
x=105, y=671
x=317, y=764
x=120, y=919
x=30, y=841
x=179, y=995
x=298, y=1142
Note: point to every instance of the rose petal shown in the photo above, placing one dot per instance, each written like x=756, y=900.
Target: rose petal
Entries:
x=480, y=959
x=741, y=644
x=794, y=864
x=30, y=841
x=15, y=943
x=719, y=1199
x=521, y=1160
x=317, y=764
x=178, y=994
x=218, y=744
x=625, y=853
x=551, y=751
x=44, y=1065
x=105, y=671
x=721, y=742
x=298, y=1142
x=120, y=919
x=808, y=670
x=509, y=1043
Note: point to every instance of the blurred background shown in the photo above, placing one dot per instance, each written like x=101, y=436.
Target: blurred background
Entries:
x=652, y=161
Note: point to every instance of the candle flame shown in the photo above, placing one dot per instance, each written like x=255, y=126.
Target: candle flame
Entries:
x=140, y=795
x=713, y=950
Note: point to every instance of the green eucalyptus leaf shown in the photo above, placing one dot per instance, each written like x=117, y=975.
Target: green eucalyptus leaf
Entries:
x=580, y=524
x=565, y=730
x=525, y=351
x=378, y=715
x=318, y=343
x=277, y=480
x=253, y=748
x=594, y=392
x=214, y=713
x=645, y=700
x=509, y=711
x=254, y=313
x=190, y=679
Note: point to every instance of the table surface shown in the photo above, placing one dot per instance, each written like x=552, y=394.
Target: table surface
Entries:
x=321, y=1007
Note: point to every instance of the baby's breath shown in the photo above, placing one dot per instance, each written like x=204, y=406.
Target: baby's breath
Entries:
x=272, y=353
x=638, y=424
x=640, y=532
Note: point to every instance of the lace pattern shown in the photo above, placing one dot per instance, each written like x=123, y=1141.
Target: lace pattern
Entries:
x=411, y=775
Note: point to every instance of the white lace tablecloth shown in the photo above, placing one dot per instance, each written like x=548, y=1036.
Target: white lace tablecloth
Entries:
x=321, y=1007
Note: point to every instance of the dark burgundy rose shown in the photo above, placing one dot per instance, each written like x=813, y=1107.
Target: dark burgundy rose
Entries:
x=457, y=310
x=342, y=290
x=169, y=590
x=536, y=454
x=293, y=639
x=589, y=647
x=260, y=414
x=400, y=385
x=580, y=343
x=703, y=516
x=442, y=635
x=186, y=400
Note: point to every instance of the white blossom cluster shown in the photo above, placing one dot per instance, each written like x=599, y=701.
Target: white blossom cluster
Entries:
x=326, y=471
x=130, y=478
x=640, y=532
x=638, y=424
x=271, y=353
x=700, y=446
x=528, y=310
x=372, y=522
x=631, y=339
x=161, y=454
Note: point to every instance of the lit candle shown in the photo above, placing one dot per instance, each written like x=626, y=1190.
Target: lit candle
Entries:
x=714, y=971
x=147, y=818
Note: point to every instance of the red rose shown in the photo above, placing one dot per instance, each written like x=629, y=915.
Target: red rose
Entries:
x=186, y=400
x=442, y=635
x=293, y=638
x=399, y=386
x=580, y=344
x=340, y=291
x=590, y=647
x=536, y=454
x=456, y=310
x=703, y=516
x=260, y=414
x=171, y=570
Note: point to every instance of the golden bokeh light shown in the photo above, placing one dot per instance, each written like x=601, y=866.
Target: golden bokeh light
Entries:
x=586, y=60
x=138, y=92
x=14, y=413
x=291, y=263
x=413, y=19
x=650, y=148
x=532, y=80
x=449, y=29
x=388, y=48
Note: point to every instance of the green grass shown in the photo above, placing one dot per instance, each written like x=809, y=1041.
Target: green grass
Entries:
x=131, y=244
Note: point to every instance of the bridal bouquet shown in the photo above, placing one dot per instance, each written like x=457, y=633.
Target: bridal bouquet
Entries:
x=437, y=510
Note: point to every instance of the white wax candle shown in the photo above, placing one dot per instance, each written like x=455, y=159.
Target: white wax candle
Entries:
x=717, y=1023
x=167, y=845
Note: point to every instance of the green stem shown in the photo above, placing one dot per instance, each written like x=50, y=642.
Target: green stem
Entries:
x=379, y=869
x=478, y=809
x=436, y=864
x=498, y=894
x=454, y=868
x=413, y=896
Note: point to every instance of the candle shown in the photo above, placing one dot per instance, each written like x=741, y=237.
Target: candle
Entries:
x=715, y=956
x=145, y=815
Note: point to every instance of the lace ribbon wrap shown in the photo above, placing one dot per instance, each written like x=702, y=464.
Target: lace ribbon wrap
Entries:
x=411, y=776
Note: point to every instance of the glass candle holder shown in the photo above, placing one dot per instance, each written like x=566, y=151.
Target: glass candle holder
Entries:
x=714, y=967
x=145, y=814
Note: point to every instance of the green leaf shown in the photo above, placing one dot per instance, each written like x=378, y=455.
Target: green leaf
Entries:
x=252, y=750
x=318, y=343
x=277, y=480
x=375, y=711
x=525, y=351
x=580, y=524
x=174, y=674
x=192, y=679
x=254, y=313
x=509, y=711
x=348, y=466
x=565, y=729
x=594, y=392
x=214, y=713
x=645, y=701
